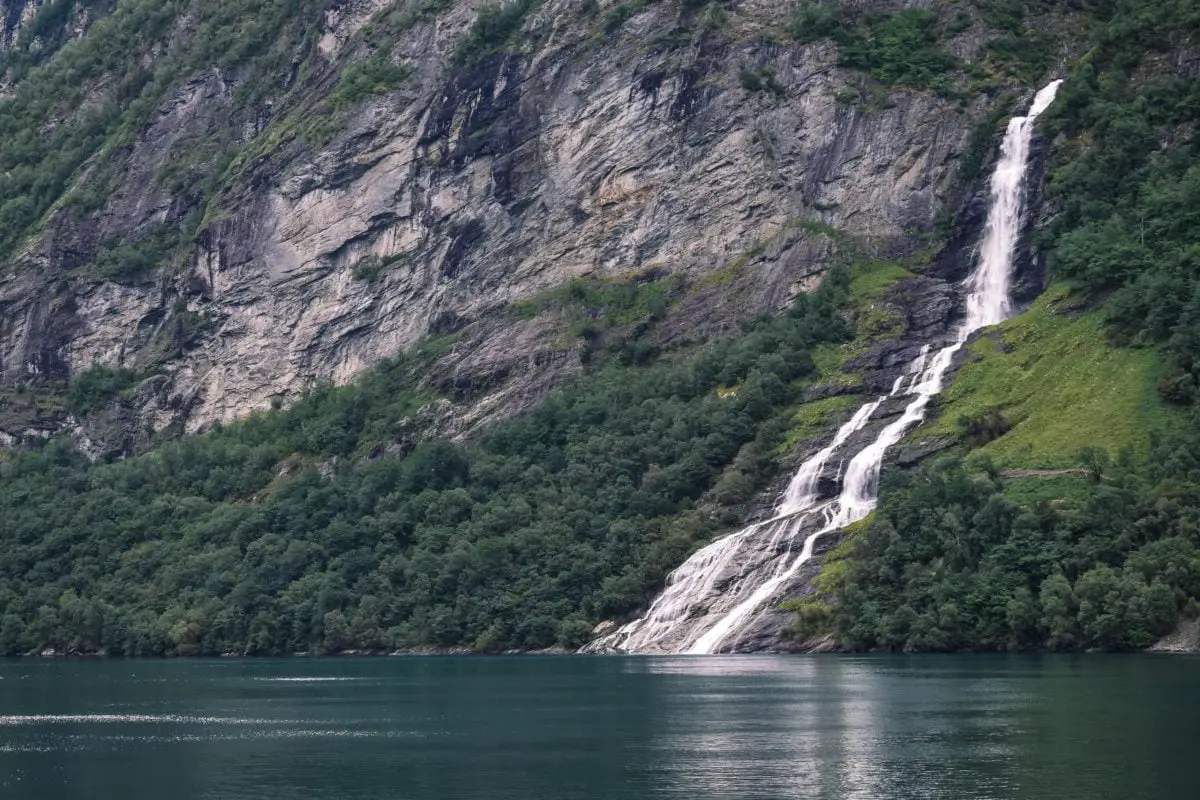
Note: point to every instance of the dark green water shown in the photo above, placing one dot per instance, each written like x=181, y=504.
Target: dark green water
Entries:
x=532, y=728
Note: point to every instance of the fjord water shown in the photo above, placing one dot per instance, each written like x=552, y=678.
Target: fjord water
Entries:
x=603, y=728
x=710, y=598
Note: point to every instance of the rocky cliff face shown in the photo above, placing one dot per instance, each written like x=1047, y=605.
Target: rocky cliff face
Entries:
x=581, y=149
x=61, y=21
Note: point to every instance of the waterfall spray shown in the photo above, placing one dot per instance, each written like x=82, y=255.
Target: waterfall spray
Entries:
x=682, y=618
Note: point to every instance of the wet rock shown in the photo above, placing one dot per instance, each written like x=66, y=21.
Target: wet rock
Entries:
x=929, y=306
x=604, y=627
x=742, y=566
x=763, y=633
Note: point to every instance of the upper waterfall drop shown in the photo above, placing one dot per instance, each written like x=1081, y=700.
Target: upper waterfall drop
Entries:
x=703, y=605
x=987, y=300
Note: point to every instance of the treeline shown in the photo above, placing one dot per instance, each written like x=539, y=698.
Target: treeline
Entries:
x=950, y=562
x=296, y=531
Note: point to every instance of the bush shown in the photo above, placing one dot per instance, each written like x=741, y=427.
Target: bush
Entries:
x=621, y=13
x=979, y=429
x=899, y=49
x=374, y=75
x=95, y=386
x=950, y=562
x=817, y=20
x=494, y=27
x=763, y=80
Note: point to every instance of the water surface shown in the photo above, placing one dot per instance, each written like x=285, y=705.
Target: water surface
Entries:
x=603, y=727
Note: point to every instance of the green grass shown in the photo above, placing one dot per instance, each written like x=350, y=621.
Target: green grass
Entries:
x=836, y=563
x=870, y=279
x=727, y=274
x=1060, y=385
x=874, y=321
x=815, y=613
x=620, y=300
x=1028, y=492
x=816, y=418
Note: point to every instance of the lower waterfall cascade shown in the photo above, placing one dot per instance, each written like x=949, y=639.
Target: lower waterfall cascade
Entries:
x=704, y=607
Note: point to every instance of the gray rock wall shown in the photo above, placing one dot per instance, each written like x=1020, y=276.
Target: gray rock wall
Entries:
x=583, y=154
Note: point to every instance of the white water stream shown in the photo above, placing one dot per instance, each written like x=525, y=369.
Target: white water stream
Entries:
x=711, y=596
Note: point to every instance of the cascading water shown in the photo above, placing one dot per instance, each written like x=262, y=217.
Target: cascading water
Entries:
x=704, y=605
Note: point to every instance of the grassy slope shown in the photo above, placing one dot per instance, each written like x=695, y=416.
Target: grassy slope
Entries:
x=1060, y=384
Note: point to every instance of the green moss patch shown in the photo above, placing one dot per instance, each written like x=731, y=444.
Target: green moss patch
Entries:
x=816, y=418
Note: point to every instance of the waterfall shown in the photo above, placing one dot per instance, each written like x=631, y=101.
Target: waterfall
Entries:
x=711, y=597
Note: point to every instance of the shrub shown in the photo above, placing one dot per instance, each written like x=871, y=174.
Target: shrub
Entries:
x=95, y=386
x=374, y=75
x=982, y=428
x=817, y=20
x=492, y=30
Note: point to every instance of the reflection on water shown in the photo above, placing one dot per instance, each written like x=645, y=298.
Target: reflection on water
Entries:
x=860, y=728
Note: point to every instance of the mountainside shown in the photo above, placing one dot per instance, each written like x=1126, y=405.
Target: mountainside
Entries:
x=562, y=260
x=234, y=212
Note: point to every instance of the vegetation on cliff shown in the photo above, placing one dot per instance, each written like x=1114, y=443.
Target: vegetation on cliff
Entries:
x=298, y=530
x=331, y=525
x=1102, y=369
x=953, y=560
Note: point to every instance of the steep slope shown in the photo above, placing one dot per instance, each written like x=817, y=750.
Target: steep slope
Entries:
x=563, y=224
x=253, y=208
x=717, y=599
x=1072, y=522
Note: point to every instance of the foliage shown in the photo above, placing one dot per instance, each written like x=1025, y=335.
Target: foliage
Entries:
x=326, y=526
x=371, y=268
x=897, y=48
x=374, y=75
x=43, y=36
x=621, y=13
x=985, y=135
x=93, y=387
x=610, y=315
x=873, y=317
x=120, y=261
x=1058, y=382
x=763, y=80
x=1127, y=179
x=951, y=562
x=978, y=430
x=1026, y=56
x=815, y=418
x=816, y=20
x=900, y=49
x=494, y=27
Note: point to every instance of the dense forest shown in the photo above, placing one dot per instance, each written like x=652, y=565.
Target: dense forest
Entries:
x=952, y=561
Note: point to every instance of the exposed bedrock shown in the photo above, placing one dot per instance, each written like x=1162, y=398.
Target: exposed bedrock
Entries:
x=471, y=187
